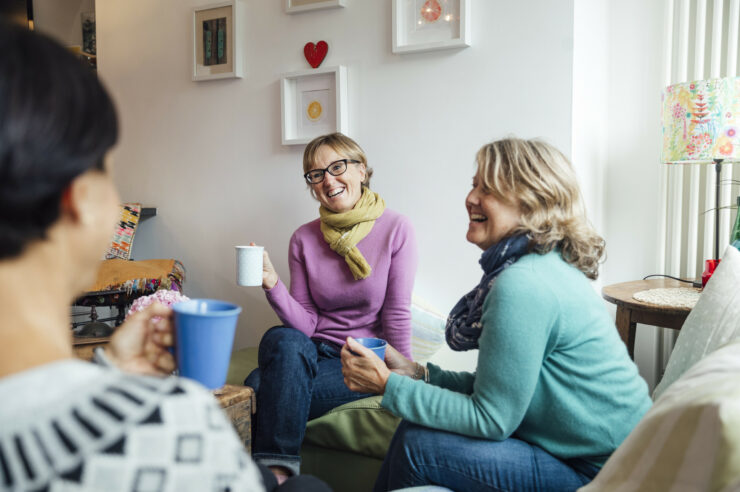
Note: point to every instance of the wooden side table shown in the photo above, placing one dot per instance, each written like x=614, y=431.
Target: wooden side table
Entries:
x=630, y=311
x=239, y=403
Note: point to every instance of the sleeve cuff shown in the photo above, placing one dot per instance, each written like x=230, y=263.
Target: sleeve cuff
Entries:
x=275, y=288
x=392, y=386
x=100, y=358
x=396, y=393
x=434, y=372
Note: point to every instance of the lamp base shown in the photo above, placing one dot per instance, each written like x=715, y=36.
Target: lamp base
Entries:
x=709, y=267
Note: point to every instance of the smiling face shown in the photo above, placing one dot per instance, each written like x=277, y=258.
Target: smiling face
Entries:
x=337, y=193
x=491, y=219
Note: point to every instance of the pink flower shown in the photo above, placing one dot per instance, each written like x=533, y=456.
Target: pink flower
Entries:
x=726, y=149
x=678, y=111
x=731, y=132
x=163, y=296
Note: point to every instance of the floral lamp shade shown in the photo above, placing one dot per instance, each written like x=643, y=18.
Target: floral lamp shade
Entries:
x=701, y=121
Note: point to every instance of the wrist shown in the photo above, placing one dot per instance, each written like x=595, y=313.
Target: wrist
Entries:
x=421, y=373
x=270, y=283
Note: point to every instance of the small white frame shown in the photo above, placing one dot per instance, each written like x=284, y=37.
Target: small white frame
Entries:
x=296, y=6
x=455, y=34
x=234, y=68
x=296, y=129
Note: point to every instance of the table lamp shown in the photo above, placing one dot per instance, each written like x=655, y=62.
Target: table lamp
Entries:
x=701, y=125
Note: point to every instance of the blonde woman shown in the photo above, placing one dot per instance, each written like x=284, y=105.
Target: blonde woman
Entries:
x=351, y=274
x=555, y=391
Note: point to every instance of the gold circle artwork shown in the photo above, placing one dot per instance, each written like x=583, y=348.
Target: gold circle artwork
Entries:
x=314, y=111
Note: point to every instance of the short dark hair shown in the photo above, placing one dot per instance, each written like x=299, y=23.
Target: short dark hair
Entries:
x=56, y=122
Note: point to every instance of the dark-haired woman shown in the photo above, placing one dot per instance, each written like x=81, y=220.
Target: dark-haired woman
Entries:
x=67, y=424
x=351, y=274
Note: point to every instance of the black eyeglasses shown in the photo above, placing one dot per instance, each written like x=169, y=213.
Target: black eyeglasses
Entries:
x=336, y=168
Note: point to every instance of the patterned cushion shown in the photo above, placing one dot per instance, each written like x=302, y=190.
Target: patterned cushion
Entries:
x=123, y=235
x=427, y=330
x=690, y=439
x=714, y=321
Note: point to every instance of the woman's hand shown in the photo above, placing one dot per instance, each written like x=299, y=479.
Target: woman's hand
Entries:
x=140, y=344
x=364, y=372
x=269, y=275
x=399, y=364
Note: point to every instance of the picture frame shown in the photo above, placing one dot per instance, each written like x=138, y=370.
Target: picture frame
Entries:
x=217, y=39
x=297, y=6
x=427, y=25
x=313, y=103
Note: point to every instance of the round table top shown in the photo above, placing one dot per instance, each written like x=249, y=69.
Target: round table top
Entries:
x=621, y=294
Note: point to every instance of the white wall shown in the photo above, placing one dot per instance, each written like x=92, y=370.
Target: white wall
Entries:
x=208, y=154
x=617, y=137
x=61, y=19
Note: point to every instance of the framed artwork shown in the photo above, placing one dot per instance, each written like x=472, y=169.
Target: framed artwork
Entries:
x=426, y=25
x=313, y=103
x=295, y=6
x=217, y=35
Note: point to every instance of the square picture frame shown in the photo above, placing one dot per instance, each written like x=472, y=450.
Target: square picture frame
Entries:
x=428, y=25
x=313, y=103
x=297, y=6
x=217, y=38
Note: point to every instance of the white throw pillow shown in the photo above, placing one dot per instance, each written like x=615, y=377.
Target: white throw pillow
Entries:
x=714, y=321
x=427, y=330
x=689, y=440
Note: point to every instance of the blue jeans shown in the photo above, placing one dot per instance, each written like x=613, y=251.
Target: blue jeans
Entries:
x=420, y=455
x=298, y=379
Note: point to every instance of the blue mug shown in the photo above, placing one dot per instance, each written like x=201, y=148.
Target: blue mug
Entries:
x=204, y=337
x=377, y=345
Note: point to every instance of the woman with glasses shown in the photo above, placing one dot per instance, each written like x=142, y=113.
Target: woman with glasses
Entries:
x=351, y=274
x=554, y=392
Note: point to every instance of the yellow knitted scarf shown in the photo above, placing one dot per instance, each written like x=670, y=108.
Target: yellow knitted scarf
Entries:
x=342, y=231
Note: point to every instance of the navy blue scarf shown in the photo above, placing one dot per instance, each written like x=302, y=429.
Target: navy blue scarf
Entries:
x=463, y=325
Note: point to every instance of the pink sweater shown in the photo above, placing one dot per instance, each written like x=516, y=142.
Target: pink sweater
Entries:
x=325, y=302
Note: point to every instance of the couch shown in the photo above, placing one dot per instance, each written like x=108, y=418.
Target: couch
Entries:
x=690, y=439
x=345, y=447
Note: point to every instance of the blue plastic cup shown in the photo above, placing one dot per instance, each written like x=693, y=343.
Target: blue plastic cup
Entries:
x=377, y=345
x=204, y=337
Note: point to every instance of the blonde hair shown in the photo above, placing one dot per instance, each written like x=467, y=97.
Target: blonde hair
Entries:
x=541, y=181
x=341, y=144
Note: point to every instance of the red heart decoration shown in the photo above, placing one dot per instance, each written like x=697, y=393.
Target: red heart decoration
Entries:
x=315, y=53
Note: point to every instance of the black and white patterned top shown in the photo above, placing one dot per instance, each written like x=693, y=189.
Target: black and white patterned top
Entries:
x=74, y=426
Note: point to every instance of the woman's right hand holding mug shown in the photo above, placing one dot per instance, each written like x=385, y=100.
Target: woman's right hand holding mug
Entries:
x=269, y=275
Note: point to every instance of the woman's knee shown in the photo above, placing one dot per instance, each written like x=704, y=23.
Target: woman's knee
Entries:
x=413, y=436
x=253, y=379
x=284, y=345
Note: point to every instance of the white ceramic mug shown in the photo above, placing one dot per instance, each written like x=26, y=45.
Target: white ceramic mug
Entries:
x=249, y=265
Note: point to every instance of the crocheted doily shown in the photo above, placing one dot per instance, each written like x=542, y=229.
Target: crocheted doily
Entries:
x=673, y=297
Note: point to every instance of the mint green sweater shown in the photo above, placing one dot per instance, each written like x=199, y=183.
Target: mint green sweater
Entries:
x=552, y=370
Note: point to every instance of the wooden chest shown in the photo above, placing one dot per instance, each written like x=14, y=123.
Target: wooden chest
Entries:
x=239, y=403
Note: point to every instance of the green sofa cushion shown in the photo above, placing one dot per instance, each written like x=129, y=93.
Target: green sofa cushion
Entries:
x=242, y=363
x=362, y=426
